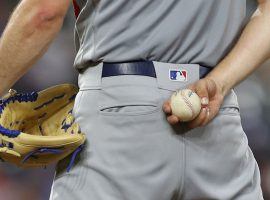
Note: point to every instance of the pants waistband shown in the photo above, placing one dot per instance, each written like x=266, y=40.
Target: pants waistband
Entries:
x=167, y=75
x=142, y=68
x=170, y=77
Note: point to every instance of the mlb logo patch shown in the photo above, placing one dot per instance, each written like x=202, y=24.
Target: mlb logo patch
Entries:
x=178, y=75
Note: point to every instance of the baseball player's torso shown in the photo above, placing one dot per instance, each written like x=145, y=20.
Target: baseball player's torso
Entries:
x=175, y=31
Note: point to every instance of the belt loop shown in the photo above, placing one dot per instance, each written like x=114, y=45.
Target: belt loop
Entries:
x=91, y=78
x=188, y=73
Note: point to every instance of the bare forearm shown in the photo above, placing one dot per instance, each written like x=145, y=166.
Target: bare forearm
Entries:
x=29, y=32
x=252, y=49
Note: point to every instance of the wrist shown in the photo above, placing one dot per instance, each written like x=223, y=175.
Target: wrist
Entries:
x=221, y=84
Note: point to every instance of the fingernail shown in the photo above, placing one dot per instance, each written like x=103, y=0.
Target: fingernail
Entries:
x=204, y=101
x=203, y=109
x=208, y=111
x=166, y=109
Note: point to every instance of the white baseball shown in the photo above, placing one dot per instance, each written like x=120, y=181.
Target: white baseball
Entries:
x=185, y=104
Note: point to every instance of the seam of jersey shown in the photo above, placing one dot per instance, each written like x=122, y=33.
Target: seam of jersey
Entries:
x=94, y=29
x=82, y=38
x=77, y=19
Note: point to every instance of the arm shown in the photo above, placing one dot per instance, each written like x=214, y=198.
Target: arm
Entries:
x=251, y=50
x=32, y=27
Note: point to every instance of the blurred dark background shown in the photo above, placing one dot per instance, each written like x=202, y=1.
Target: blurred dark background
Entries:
x=56, y=67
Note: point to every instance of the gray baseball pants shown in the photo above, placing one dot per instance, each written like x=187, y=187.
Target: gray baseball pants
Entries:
x=132, y=152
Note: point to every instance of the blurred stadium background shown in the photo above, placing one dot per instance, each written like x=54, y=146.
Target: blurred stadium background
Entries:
x=57, y=67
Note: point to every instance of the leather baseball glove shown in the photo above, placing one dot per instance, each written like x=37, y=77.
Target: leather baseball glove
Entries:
x=37, y=129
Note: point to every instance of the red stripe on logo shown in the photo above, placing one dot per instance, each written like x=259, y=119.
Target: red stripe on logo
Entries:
x=77, y=9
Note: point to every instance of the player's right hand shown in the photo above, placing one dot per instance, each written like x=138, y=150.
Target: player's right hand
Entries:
x=212, y=98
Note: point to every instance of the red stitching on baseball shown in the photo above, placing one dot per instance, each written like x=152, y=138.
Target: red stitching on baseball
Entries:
x=188, y=103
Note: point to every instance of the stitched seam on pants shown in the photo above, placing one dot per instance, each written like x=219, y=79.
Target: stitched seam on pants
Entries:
x=52, y=187
x=78, y=105
x=183, y=171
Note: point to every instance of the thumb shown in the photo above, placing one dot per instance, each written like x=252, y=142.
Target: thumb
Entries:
x=211, y=87
x=202, y=90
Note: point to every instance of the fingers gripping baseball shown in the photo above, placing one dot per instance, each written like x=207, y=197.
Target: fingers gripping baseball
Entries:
x=210, y=99
x=172, y=119
x=206, y=90
x=183, y=106
x=201, y=90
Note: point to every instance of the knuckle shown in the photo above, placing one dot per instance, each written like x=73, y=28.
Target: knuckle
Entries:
x=204, y=124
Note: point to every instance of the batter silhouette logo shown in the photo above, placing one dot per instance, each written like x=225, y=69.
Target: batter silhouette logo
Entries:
x=178, y=75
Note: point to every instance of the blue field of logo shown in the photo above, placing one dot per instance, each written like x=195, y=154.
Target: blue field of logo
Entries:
x=178, y=75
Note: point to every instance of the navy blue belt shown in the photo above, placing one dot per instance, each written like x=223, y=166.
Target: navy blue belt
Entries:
x=143, y=68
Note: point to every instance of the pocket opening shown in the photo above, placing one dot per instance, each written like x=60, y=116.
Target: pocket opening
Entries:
x=129, y=109
x=229, y=110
